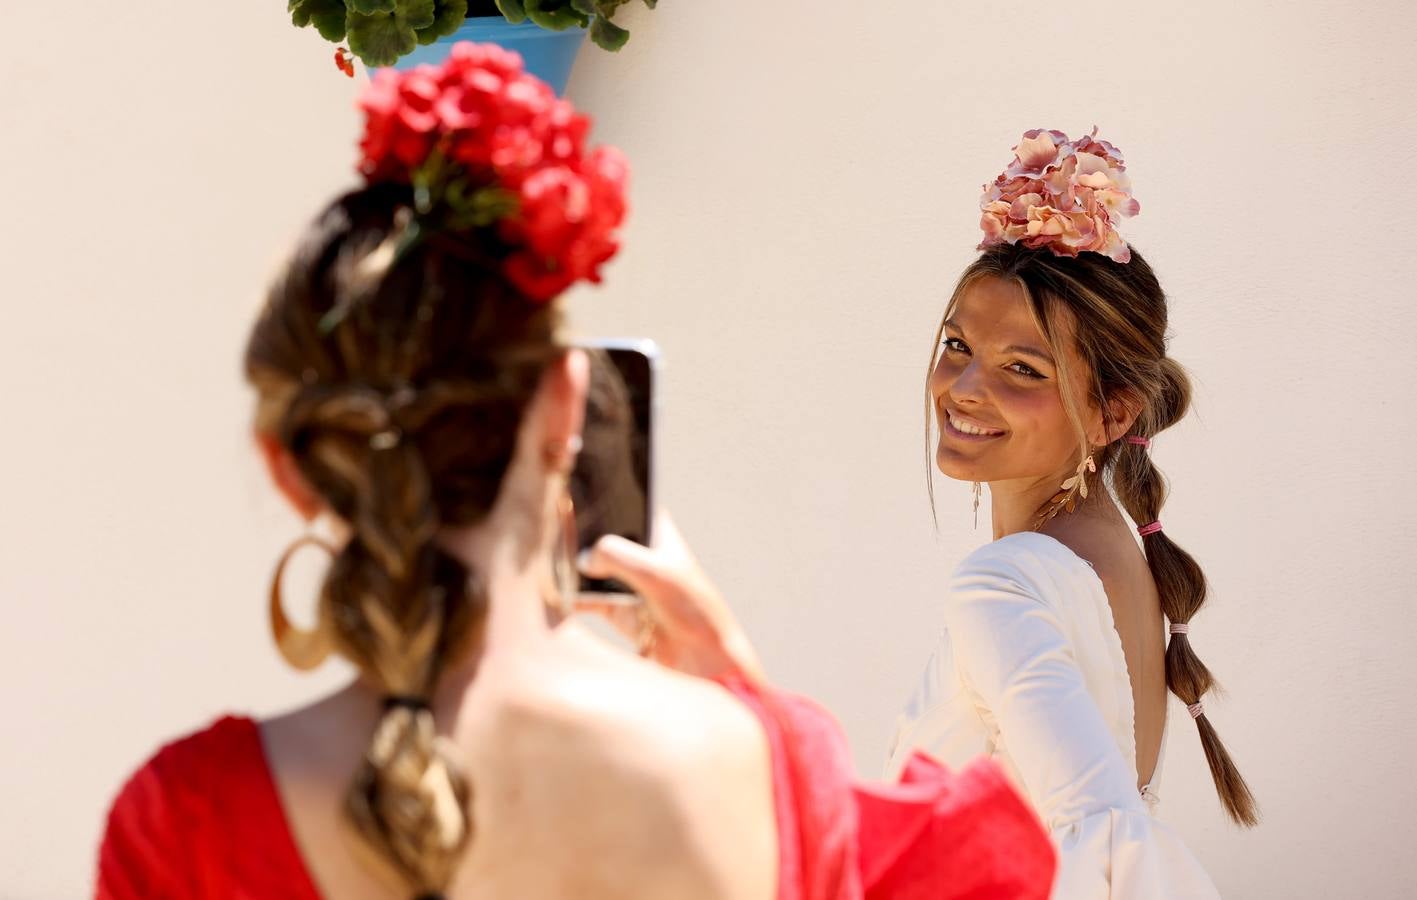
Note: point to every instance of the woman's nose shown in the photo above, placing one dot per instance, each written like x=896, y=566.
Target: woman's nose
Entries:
x=968, y=385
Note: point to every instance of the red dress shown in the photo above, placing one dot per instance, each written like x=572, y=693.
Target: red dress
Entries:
x=202, y=819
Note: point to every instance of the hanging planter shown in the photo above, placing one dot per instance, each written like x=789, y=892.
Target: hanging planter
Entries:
x=403, y=33
x=548, y=55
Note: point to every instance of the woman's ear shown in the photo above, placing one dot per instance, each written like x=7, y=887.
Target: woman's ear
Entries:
x=285, y=474
x=1123, y=407
x=557, y=410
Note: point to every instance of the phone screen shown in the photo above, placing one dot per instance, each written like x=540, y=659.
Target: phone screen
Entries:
x=611, y=484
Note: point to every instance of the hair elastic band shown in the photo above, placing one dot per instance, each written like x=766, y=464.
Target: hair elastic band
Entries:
x=1180, y=628
x=1138, y=440
x=1152, y=528
x=404, y=701
x=1196, y=710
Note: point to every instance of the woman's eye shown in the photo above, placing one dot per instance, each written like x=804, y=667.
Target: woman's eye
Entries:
x=955, y=345
x=1023, y=369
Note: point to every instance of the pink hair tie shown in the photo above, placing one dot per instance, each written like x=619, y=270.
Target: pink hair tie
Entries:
x=1196, y=710
x=1153, y=528
x=1180, y=628
x=1138, y=441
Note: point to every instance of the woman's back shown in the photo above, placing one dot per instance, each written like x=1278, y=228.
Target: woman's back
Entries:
x=605, y=776
x=597, y=775
x=1106, y=545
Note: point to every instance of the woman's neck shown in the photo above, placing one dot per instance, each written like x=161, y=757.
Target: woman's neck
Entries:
x=516, y=585
x=1016, y=504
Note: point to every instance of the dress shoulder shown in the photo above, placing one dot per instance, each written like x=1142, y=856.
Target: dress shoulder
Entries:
x=201, y=818
x=1026, y=563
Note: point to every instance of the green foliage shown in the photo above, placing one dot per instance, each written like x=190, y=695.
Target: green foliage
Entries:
x=607, y=35
x=512, y=11
x=598, y=15
x=381, y=31
x=382, y=37
x=328, y=16
x=555, y=15
x=446, y=20
x=370, y=7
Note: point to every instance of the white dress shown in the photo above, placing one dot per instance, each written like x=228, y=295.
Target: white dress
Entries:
x=1029, y=669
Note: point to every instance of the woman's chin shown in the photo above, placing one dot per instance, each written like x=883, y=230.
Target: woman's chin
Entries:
x=951, y=466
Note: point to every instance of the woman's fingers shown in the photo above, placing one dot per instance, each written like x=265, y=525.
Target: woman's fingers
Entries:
x=627, y=562
x=683, y=618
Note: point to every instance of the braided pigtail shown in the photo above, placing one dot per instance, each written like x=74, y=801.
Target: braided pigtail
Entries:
x=1181, y=584
x=401, y=609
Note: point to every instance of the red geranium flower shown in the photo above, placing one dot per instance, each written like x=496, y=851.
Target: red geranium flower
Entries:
x=495, y=126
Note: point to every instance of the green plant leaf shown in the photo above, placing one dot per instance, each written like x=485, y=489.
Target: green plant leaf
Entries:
x=380, y=39
x=416, y=14
x=512, y=11
x=328, y=16
x=369, y=7
x=555, y=15
x=651, y=3
x=607, y=35
x=584, y=7
x=448, y=19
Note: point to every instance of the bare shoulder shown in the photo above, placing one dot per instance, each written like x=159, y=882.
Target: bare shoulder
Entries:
x=613, y=765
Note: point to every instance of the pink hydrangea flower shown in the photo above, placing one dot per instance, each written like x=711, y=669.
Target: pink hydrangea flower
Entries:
x=1063, y=195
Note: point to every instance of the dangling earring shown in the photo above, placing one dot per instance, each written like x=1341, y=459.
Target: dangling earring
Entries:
x=1067, y=497
x=560, y=457
x=564, y=573
x=978, y=490
x=301, y=649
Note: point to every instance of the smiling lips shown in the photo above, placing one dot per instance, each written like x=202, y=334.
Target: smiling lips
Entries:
x=969, y=428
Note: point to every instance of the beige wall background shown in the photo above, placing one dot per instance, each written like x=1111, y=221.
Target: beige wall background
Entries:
x=806, y=179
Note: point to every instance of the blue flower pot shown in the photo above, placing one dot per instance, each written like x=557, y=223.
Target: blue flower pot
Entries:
x=549, y=55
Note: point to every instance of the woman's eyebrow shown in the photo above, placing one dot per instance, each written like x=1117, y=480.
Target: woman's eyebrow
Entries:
x=1021, y=349
x=1024, y=350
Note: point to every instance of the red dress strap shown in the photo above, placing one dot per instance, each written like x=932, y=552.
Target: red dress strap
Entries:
x=933, y=835
x=202, y=818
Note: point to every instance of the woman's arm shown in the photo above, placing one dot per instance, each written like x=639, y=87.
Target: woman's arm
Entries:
x=1011, y=649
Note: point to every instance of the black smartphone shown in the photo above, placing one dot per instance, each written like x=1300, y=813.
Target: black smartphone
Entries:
x=612, y=485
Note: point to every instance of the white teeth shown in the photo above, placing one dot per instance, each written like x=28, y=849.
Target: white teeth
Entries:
x=967, y=428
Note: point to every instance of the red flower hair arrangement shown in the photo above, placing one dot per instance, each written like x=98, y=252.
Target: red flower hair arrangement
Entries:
x=486, y=145
x=1064, y=195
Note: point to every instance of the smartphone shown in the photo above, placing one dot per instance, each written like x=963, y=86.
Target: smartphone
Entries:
x=612, y=485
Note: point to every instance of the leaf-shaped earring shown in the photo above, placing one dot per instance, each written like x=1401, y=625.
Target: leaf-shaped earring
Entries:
x=1079, y=479
x=1069, y=492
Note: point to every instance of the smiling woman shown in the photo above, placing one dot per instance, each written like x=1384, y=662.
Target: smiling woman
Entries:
x=1050, y=371
x=993, y=379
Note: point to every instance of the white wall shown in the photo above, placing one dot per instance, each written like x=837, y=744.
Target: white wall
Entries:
x=806, y=177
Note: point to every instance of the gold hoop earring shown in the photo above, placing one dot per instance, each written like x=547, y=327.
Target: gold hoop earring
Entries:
x=302, y=649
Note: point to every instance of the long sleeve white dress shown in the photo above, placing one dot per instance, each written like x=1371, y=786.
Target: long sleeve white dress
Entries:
x=1029, y=669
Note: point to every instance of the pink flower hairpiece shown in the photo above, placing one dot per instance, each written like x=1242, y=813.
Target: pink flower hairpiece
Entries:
x=1066, y=196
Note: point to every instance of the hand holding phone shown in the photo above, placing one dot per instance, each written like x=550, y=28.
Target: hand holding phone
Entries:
x=691, y=628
